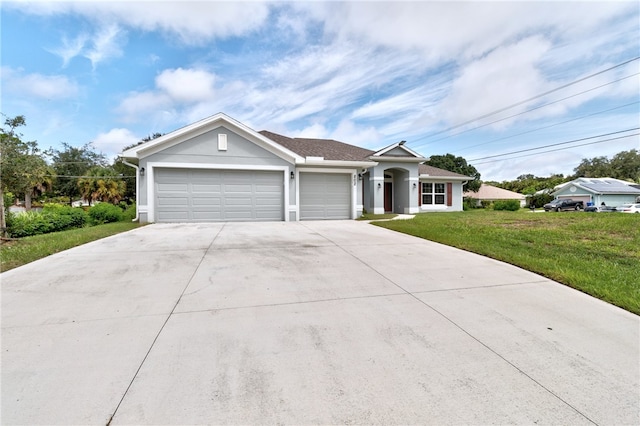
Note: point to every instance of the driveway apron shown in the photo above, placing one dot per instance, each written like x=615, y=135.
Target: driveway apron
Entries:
x=328, y=322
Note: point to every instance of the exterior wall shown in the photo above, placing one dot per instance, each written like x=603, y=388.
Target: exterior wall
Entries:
x=614, y=200
x=202, y=152
x=398, y=152
x=405, y=196
x=456, y=197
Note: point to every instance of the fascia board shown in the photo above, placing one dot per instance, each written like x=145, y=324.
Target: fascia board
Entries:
x=398, y=145
x=449, y=178
x=206, y=125
x=338, y=163
x=398, y=159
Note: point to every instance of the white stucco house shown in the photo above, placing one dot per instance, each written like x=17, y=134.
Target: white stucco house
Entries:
x=218, y=169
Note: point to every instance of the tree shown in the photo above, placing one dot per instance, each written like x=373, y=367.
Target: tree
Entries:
x=102, y=184
x=595, y=167
x=23, y=171
x=626, y=165
x=71, y=164
x=457, y=165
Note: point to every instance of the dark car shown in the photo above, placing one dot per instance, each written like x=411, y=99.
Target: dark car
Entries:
x=563, y=204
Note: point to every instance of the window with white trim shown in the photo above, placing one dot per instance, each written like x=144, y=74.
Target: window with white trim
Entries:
x=433, y=193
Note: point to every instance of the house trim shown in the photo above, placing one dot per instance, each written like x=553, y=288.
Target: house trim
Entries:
x=151, y=207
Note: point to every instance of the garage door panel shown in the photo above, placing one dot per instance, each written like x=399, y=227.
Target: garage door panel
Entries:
x=202, y=195
x=325, y=196
x=173, y=201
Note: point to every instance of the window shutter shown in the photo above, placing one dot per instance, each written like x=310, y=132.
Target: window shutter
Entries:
x=419, y=194
x=449, y=194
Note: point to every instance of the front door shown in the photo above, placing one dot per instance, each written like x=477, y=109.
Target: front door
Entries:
x=388, y=196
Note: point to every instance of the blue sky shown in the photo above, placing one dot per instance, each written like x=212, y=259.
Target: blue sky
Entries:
x=365, y=73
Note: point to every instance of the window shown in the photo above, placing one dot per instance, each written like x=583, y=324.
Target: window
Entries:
x=433, y=193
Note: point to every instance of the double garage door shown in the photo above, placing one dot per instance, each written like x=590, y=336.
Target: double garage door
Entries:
x=192, y=195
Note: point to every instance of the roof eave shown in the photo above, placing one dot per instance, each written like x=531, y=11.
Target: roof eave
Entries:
x=337, y=163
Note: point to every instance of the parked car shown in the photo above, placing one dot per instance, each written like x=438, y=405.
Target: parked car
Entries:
x=563, y=204
x=629, y=208
x=600, y=209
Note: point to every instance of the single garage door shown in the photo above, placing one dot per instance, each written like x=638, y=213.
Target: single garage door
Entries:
x=194, y=195
x=325, y=196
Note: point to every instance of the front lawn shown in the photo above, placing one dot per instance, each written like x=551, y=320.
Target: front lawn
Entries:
x=25, y=250
x=597, y=253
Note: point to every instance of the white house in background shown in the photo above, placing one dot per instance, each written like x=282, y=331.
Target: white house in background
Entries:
x=493, y=193
x=218, y=169
x=612, y=192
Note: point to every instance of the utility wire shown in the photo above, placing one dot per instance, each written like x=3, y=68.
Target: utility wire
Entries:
x=533, y=98
x=558, y=149
x=532, y=109
x=549, y=126
x=555, y=144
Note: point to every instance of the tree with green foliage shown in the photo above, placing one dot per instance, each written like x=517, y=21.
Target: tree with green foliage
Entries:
x=71, y=164
x=23, y=170
x=457, y=165
x=624, y=165
x=102, y=184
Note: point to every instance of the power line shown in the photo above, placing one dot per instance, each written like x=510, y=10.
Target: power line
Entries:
x=93, y=177
x=559, y=149
x=533, y=98
x=532, y=109
x=555, y=144
x=549, y=126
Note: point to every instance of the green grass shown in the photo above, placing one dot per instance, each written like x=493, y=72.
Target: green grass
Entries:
x=25, y=250
x=598, y=254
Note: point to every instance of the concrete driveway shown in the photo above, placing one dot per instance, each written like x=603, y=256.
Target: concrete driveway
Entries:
x=305, y=323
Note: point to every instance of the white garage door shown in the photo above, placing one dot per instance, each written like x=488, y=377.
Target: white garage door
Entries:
x=325, y=196
x=193, y=195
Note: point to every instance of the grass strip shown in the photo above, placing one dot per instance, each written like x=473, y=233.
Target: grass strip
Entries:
x=28, y=249
x=597, y=253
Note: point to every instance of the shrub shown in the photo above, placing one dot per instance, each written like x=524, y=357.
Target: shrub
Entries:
x=470, y=203
x=485, y=204
x=29, y=223
x=53, y=218
x=511, y=205
x=105, y=213
x=130, y=212
x=76, y=216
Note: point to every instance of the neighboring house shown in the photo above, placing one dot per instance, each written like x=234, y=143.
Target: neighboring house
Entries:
x=218, y=169
x=493, y=193
x=612, y=192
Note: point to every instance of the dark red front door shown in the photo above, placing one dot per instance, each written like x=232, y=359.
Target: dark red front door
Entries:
x=388, y=196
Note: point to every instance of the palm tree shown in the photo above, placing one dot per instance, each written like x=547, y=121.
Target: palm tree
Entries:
x=102, y=184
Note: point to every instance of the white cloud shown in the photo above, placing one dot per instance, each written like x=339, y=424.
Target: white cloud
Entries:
x=504, y=77
x=186, y=85
x=193, y=22
x=70, y=48
x=34, y=85
x=105, y=44
x=113, y=141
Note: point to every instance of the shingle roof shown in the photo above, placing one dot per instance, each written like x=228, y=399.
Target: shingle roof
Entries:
x=489, y=192
x=424, y=169
x=606, y=186
x=329, y=149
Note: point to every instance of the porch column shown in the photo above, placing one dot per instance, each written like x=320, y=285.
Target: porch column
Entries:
x=376, y=189
x=414, y=191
